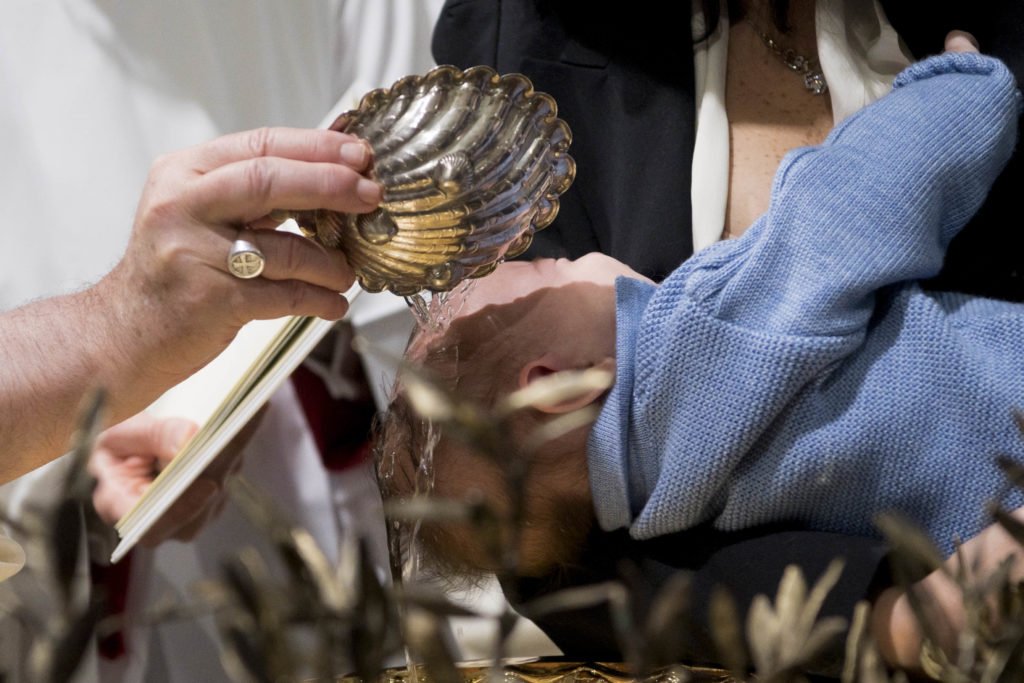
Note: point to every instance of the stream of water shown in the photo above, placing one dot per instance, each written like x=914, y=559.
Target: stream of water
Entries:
x=434, y=311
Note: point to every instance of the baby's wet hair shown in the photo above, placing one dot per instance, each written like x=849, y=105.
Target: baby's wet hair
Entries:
x=480, y=367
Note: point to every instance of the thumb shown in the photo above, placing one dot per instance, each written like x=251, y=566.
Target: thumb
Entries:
x=172, y=435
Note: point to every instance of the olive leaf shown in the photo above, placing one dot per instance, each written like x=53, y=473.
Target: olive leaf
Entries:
x=788, y=637
x=664, y=628
x=567, y=599
x=429, y=401
x=914, y=550
x=863, y=662
x=1012, y=469
x=374, y=632
x=426, y=637
x=558, y=427
x=65, y=522
x=55, y=659
x=1018, y=418
x=727, y=631
x=556, y=388
x=611, y=593
x=443, y=510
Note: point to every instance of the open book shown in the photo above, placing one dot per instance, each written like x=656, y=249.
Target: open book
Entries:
x=222, y=398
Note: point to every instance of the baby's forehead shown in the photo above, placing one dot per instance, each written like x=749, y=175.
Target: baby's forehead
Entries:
x=513, y=292
x=510, y=281
x=429, y=341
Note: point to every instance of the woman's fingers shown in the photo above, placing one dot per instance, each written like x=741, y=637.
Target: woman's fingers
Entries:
x=961, y=41
x=128, y=456
x=188, y=514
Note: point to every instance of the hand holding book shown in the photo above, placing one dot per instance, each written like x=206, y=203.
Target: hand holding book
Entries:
x=128, y=456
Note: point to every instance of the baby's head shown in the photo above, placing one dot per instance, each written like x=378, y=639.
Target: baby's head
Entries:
x=524, y=322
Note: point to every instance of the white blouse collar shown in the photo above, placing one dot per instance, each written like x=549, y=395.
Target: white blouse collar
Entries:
x=860, y=55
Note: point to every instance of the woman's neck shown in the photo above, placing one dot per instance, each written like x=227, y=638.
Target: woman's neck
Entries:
x=770, y=111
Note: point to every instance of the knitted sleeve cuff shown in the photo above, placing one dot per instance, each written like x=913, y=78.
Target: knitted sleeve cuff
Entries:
x=608, y=458
x=953, y=62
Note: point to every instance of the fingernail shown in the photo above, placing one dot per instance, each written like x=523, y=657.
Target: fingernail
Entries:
x=370, y=191
x=355, y=154
x=952, y=41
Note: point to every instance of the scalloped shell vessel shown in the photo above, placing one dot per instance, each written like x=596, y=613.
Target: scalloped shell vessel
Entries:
x=472, y=164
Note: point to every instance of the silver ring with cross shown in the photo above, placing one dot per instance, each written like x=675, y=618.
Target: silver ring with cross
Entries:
x=245, y=260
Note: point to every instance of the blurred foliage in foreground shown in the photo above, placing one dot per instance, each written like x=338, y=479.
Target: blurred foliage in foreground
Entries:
x=318, y=621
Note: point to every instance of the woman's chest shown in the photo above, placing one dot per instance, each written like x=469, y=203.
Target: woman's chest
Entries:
x=770, y=112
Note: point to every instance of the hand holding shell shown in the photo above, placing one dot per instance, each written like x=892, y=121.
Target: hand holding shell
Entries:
x=472, y=164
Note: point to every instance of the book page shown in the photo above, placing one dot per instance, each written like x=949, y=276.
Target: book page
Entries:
x=222, y=397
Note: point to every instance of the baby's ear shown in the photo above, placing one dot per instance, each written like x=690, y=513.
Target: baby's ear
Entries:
x=548, y=365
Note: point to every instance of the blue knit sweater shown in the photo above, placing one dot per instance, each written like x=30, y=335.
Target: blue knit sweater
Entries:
x=799, y=372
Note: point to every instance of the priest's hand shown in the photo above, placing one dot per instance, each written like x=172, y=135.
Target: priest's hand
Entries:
x=172, y=303
x=178, y=302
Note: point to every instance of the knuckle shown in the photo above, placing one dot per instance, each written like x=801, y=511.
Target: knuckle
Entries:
x=162, y=164
x=161, y=210
x=293, y=256
x=161, y=175
x=326, y=143
x=172, y=259
x=297, y=295
x=259, y=178
x=341, y=181
x=259, y=141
